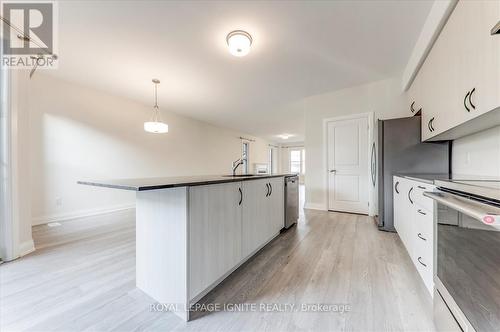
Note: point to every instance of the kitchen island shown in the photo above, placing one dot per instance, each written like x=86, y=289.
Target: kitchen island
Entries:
x=192, y=232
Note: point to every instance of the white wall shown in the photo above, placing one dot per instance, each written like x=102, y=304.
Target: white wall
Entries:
x=81, y=133
x=477, y=154
x=384, y=98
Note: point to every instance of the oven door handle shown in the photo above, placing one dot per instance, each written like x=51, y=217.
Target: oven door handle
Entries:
x=486, y=213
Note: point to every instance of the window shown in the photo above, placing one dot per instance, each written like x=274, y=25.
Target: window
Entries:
x=271, y=160
x=297, y=161
x=245, y=155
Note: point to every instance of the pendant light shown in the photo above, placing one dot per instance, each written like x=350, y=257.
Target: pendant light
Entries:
x=155, y=125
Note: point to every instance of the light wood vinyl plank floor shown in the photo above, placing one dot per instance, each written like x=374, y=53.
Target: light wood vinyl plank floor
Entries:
x=82, y=278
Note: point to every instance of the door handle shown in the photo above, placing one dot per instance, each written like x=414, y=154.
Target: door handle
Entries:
x=420, y=236
x=271, y=189
x=411, y=107
x=409, y=195
x=422, y=187
x=396, y=187
x=333, y=171
x=421, y=212
x=241, y=196
x=373, y=164
x=267, y=188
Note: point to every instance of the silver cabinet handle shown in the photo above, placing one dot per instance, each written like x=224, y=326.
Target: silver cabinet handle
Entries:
x=422, y=187
x=333, y=171
x=419, y=260
x=420, y=236
x=421, y=212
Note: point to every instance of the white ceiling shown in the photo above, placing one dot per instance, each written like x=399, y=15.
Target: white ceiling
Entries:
x=299, y=49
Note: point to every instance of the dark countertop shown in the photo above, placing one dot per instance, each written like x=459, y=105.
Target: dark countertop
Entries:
x=171, y=182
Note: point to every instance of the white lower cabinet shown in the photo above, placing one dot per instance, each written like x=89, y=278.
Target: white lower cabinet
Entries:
x=276, y=206
x=263, y=209
x=215, y=233
x=413, y=220
x=227, y=224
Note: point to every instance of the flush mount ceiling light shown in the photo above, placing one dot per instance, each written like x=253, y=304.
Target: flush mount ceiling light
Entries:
x=155, y=125
x=239, y=42
x=285, y=136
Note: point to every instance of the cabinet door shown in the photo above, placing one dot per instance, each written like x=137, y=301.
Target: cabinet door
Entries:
x=479, y=55
x=276, y=206
x=214, y=233
x=423, y=251
x=414, y=96
x=465, y=57
x=439, y=77
x=399, y=206
x=404, y=212
x=409, y=215
x=254, y=215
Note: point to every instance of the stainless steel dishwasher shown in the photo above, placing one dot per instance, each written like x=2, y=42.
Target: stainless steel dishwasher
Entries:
x=291, y=200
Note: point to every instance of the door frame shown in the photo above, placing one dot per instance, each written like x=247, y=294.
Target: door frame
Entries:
x=9, y=227
x=369, y=116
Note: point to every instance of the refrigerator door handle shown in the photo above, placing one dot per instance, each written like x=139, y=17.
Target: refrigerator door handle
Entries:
x=373, y=164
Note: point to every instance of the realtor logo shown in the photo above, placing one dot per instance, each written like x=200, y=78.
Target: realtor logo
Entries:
x=28, y=31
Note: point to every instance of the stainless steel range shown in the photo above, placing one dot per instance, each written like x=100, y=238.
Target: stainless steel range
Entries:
x=467, y=254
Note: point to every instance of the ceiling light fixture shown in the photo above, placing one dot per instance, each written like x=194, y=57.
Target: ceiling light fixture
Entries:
x=239, y=42
x=285, y=136
x=155, y=125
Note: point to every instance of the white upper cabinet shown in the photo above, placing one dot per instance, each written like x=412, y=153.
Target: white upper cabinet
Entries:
x=479, y=57
x=460, y=78
x=414, y=96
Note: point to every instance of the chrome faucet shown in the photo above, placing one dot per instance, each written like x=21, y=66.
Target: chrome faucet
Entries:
x=237, y=163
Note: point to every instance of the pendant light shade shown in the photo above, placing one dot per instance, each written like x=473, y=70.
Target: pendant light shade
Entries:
x=156, y=125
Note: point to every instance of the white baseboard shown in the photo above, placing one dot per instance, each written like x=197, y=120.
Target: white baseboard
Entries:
x=26, y=247
x=315, y=206
x=79, y=214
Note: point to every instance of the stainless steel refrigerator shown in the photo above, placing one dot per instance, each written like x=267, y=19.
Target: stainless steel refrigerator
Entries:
x=399, y=150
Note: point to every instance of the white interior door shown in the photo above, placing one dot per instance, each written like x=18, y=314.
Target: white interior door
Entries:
x=348, y=165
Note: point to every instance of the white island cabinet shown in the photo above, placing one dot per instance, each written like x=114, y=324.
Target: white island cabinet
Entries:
x=227, y=227
x=192, y=232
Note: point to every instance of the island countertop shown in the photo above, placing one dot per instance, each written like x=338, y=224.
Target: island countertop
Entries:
x=141, y=184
